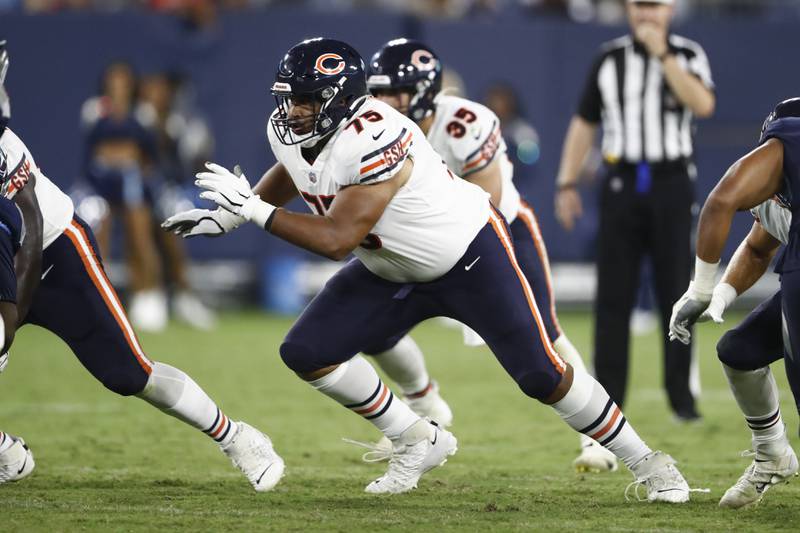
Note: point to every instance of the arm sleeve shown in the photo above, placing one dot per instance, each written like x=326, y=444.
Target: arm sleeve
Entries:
x=590, y=105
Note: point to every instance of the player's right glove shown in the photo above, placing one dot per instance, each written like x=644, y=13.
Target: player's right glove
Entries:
x=196, y=222
x=685, y=313
x=723, y=296
x=3, y=362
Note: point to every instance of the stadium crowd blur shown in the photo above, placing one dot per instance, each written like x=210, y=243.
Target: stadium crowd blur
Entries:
x=201, y=12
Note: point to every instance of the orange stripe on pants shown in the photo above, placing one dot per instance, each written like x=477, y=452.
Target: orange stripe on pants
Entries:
x=528, y=218
x=505, y=239
x=83, y=246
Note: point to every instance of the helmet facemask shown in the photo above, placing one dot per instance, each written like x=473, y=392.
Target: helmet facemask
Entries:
x=330, y=114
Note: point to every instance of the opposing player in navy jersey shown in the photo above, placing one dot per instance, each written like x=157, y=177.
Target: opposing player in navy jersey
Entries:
x=426, y=244
x=772, y=170
x=75, y=300
x=407, y=75
x=16, y=459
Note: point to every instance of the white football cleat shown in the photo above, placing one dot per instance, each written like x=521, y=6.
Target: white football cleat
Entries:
x=595, y=459
x=664, y=483
x=764, y=472
x=431, y=405
x=190, y=309
x=420, y=448
x=16, y=462
x=251, y=452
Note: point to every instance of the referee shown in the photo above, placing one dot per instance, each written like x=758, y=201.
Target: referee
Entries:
x=645, y=88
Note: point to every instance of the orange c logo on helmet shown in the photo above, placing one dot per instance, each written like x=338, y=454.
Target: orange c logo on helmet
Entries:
x=423, y=60
x=322, y=69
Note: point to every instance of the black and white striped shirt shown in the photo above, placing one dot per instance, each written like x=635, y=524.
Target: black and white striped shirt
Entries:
x=642, y=119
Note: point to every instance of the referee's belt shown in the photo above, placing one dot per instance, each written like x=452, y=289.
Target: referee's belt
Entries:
x=656, y=167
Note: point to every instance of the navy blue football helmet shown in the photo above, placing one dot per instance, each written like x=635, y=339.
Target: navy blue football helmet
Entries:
x=787, y=108
x=327, y=72
x=407, y=65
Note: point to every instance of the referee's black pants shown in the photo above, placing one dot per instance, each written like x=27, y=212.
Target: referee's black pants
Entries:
x=638, y=220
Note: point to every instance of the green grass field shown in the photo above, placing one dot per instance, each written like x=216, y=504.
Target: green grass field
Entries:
x=106, y=463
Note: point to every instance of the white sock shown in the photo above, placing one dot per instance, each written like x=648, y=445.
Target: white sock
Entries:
x=175, y=393
x=5, y=442
x=757, y=395
x=405, y=365
x=588, y=409
x=570, y=354
x=356, y=385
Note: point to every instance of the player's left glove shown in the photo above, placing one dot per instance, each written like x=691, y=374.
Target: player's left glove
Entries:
x=3, y=362
x=723, y=296
x=685, y=313
x=233, y=192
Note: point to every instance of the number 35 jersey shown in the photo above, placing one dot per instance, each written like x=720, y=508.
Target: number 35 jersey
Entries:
x=428, y=224
x=467, y=135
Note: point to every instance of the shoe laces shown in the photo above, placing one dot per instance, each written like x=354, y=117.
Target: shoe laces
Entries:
x=376, y=453
x=662, y=477
x=403, y=463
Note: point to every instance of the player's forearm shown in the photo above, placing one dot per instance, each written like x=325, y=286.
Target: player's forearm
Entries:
x=713, y=227
x=746, y=267
x=318, y=234
x=28, y=262
x=689, y=90
x=490, y=182
x=577, y=144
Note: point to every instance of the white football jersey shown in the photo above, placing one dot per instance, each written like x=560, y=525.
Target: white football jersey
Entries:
x=428, y=224
x=774, y=218
x=467, y=135
x=56, y=207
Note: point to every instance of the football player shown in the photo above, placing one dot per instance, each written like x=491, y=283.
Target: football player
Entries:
x=75, y=300
x=426, y=244
x=16, y=459
x=407, y=75
x=771, y=330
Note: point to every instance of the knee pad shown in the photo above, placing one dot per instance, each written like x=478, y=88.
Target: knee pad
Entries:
x=125, y=383
x=732, y=351
x=538, y=384
x=298, y=357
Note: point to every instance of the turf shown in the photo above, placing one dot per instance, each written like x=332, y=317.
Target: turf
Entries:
x=106, y=463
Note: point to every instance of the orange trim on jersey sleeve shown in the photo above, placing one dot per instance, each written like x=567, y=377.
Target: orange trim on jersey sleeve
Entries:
x=372, y=166
x=504, y=236
x=107, y=296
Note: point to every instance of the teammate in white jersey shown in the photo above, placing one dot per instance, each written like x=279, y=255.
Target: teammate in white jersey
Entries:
x=407, y=75
x=75, y=300
x=427, y=243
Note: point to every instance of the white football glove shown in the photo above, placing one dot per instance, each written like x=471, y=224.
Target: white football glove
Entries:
x=233, y=192
x=196, y=222
x=3, y=362
x=723, y=296
x=685, y=313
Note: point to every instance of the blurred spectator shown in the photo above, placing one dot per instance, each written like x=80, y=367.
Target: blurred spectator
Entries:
x=120, y=159
x=520, y=135
x=183, y=142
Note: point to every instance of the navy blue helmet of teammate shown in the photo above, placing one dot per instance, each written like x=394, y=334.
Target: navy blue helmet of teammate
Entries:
x=787, y=108
x=407, y=65
x=323, y=70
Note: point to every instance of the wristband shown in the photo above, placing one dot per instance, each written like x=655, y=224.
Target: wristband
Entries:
x=257, y=211
x=727, y=292
x=704, y=276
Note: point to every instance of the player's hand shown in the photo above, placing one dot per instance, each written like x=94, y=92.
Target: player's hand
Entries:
x=196, y=222
x=568, y=207
x=654, y=39
x=232, y=191
x=685, y=313
x=3, y=362
x=723, y=296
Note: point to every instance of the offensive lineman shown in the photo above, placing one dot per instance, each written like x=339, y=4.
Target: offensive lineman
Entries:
x=75, y=300
x=407, y=75
x=771, y=170
x=379, y=190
